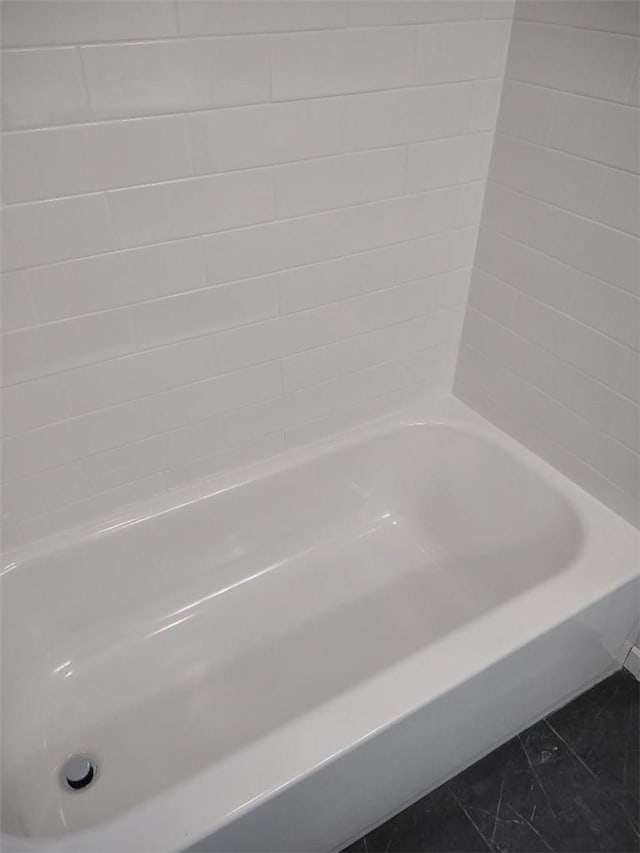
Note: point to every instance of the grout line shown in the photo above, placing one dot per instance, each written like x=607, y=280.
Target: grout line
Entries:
x=209, y=286
x=547, y=146
x=526, y=295
x=546, y=393
x=237, y=228
x=85, y=83
x=222, y=415
x=216, y=375
x=565, y=210
x=470, y=81
x=611, y=388
x=242, y=170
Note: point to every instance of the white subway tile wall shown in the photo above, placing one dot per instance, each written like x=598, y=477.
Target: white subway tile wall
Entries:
x=552, y=331
x=234, y=226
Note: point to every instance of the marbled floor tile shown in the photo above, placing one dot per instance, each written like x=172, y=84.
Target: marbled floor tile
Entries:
x=602, y=728
x=567, y=784
x=435, y=824
x=533, y=794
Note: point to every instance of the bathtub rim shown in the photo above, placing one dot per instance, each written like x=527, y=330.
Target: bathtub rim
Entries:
x=173, y=819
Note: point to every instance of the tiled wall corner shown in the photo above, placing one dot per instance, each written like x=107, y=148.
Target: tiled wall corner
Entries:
x=551, y=336
x=229, y=228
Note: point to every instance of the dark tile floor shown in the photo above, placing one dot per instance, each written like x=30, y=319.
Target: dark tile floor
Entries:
x=569, y=783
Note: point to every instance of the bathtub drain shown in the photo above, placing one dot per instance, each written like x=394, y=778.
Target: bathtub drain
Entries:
x=78, y=772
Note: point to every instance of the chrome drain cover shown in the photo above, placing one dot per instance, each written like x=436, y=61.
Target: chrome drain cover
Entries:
x=78, y=772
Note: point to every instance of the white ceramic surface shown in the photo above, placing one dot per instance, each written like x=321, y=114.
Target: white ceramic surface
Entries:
x=191, y=189
x=340, y=629
x=552, y=331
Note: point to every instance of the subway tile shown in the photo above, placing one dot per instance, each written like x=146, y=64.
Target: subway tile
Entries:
x=125, y=464
x=505, y=417
x=194, y=441
x=252, y=344
x=44, y=491
x=186, y=208
x=52, y=347
x=629, y=382
x=220, y=394
x=138, y=375
x=507, y=211
x=116, y=279
x=176, y=75
x=326, y=324
x=603, y=407
x=433, y=164
x=341, y=181
x=618, y=464
x=203, y=312
x=49, y=231
x=633, y=98
x=398, y=341
x=500, y=255
x=331, y=281
x=16, y=306
x=608, y=309
x=561, y=179
x=42, y=87
x=40, y=22
x=585, y=476
x=448, y=161
x=31, y=404
x=352, y=416
x=225, y=17
x=97, y=507
x=469, y=204
x=276, y=246
x=596, y=354
x=501, y=9
x=589, y=246
x=410, y=115
x=169, y=450
x=456, y=289
x=597, y=130
x=283, y=245
x=310, y=404
x=491, y=296
x=474, y=374
x=41, y=164
x=527, y=111
x=549, y=281
x=546, y=414
x=54, y=444
x=243, y=454
x=504, y=349
x=620, y=204
x=243, y=137
x=373, y=13
x=483, y=113
x=251, y=422
x=600, y=65
x=436, y=254
x=305, y=65
x=461, y=51
x=616, y=16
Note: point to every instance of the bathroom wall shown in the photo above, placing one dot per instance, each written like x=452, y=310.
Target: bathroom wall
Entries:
x=229, y=228
x=550, y=343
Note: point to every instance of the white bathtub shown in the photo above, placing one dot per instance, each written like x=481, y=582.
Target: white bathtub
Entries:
x=291, y=654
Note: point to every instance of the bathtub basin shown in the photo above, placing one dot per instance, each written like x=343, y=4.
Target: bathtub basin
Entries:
x=279, y=658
